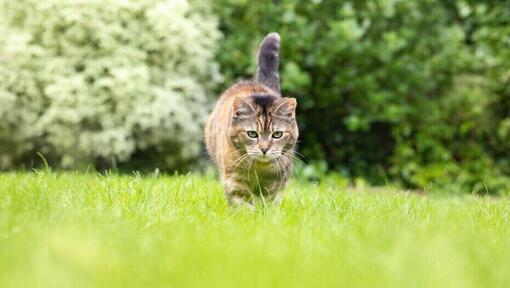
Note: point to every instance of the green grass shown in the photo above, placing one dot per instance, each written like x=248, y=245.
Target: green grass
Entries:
x=79, y=230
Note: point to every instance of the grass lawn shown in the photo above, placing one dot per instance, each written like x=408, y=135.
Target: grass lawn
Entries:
x=86, y=230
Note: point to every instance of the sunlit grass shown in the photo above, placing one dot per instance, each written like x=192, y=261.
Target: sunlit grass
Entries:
x=87, y=230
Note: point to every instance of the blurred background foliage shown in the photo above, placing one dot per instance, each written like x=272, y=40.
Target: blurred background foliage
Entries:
x=409, y=92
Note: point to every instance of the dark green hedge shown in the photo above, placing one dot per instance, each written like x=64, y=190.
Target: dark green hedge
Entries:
x=414, y=92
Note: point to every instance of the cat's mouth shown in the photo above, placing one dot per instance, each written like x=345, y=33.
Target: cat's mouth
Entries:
x=264, y=159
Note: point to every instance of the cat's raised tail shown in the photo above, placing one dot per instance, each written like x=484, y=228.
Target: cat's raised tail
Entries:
x=268, y=62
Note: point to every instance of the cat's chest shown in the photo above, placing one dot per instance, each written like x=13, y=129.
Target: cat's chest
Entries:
x=263, y=181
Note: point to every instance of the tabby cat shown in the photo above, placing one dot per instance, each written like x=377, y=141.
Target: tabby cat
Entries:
x=252, y=131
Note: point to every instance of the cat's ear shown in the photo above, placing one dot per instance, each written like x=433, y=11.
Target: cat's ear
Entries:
x=286, y=107
x=242, y=108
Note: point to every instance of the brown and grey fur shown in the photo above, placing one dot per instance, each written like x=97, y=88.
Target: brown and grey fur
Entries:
x=251, y=167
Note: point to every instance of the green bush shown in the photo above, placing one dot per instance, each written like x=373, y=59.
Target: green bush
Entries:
x=84, y=82
x=404, y=91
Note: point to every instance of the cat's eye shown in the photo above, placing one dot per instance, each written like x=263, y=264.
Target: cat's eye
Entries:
x=277, y=134
x=252, y=134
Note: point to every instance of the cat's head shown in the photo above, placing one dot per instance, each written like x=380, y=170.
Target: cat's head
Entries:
x=264, y=125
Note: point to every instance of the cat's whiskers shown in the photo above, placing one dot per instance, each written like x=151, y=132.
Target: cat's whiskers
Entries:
x=293, y=156
x=290, y=163
x=239, y=161
x=283, y=172
x=248, y=166
x=296, y=152
x=289, y=158
x=277, y=167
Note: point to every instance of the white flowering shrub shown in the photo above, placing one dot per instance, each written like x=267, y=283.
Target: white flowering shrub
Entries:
x=85, y=81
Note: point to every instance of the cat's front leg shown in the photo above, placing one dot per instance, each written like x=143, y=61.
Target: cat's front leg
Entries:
x=238, y=194
x=275, y=190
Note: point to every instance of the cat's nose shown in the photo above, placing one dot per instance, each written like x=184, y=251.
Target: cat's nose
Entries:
x=264, y=150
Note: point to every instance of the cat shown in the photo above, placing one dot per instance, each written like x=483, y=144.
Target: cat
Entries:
x=252, y=132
